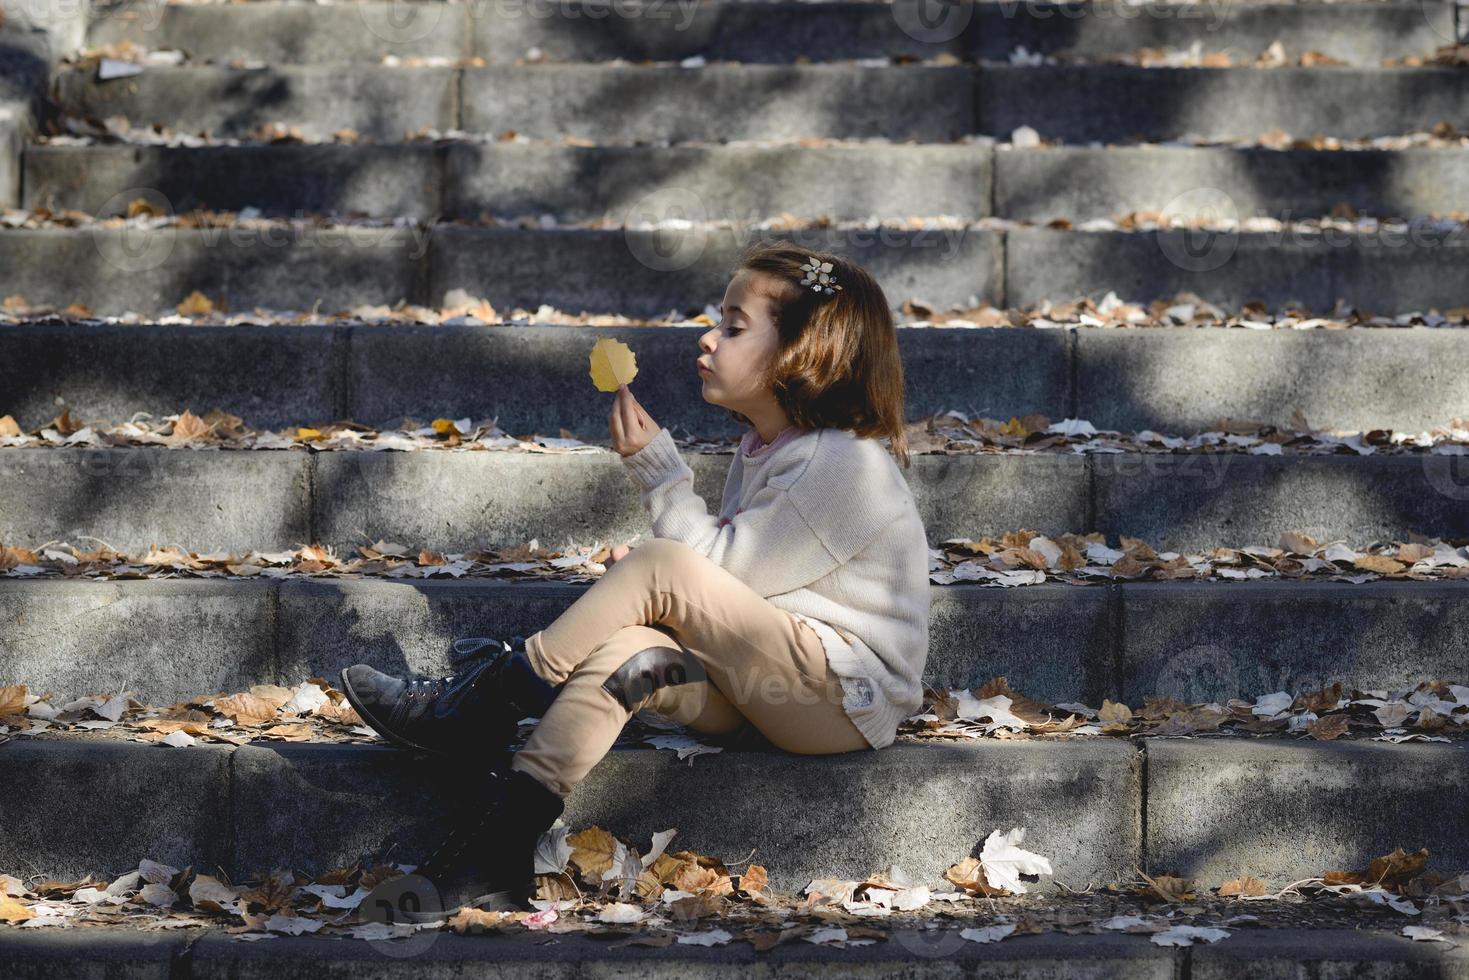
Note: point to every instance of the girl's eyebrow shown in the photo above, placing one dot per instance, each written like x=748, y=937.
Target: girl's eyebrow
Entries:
x=732, y=309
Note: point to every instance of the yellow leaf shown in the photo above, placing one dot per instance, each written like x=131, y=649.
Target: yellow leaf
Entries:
x=305, y=433
x=196, y=304
x=8, y=426
x=613, y=364
x=445, y=427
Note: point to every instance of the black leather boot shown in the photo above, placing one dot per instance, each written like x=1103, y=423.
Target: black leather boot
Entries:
x=474, y=710
x=487, y=859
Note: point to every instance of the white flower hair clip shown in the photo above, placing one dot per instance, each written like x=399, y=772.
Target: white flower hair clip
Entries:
x=818, y=276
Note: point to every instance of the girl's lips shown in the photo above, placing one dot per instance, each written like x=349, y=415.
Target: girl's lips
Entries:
x=704, y=370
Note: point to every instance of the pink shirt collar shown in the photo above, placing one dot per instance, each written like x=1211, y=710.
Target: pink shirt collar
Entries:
x=752, y=448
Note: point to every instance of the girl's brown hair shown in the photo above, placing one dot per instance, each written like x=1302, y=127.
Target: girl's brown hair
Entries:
x=836, y=363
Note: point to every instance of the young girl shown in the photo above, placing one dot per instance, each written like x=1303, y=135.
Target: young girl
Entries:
x=798, y=613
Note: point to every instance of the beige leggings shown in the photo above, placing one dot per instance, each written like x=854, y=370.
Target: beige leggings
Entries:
x=750, y=663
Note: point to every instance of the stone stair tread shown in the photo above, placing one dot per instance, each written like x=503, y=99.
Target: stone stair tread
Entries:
x=1068, y=102
x=338, y=266
x=1098, y=809
x=1169, y=380
x=514, y=178
x=1197, y=641
x=767, y=32
x=210, y=500
x=1373, y=950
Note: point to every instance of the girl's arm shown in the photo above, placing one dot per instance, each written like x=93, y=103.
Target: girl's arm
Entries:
x=770, y=545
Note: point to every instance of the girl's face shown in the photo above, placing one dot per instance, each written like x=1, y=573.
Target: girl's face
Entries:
x=738, y=349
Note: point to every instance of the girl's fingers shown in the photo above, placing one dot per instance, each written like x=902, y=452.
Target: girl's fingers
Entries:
x=614, y=422
x=631, y=419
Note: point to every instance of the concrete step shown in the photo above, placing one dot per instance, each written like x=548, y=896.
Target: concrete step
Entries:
x=843, y=181
x=1386, y=269
x=1198, y=641
x=917, y=953
x=1097, y=808
x=1071, y=103
x=1174, y=380
x=782, y=31
x=267, y=500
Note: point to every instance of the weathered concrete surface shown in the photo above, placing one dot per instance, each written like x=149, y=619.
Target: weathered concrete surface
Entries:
x=1123, y=103
x=449, y=501
x=938, y=952
x=117, y=270
x=627, y=184
x=1361, y=34
x=1197, y=640
x=100, y=807
x=1176, y=381
x=272, y=376
x=1283, y=811
x=1388, y=272
x=134, y=499
x=165, y=639
x=320, y=99
x=1187, y=380
x=125, y=954
x=719, y=101
x=293, y=33
x=1197, y=502
x=842, y=181
x=847, y=182
x=1224, y=183
x=278, y=179
x=171, y=639
x=313, y=807
x=1357, y=33
x=1303, y=952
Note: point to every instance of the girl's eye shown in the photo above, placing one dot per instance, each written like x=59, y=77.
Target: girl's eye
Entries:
x=735, y=330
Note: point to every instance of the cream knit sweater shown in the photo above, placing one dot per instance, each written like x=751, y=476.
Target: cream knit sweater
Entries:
x=825, y=527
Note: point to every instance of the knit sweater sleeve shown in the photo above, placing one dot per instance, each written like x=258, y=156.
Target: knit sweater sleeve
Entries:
x=771, y=545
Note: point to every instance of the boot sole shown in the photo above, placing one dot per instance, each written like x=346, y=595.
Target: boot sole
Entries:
x=366, y=717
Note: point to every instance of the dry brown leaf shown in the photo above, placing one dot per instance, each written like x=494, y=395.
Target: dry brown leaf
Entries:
x=12, y=700
x=592, y=852
x=1244, y=886
x=755, y=879
x=13, y=910
x=1329, y=727
x=1113, y=712
x=1381, y=564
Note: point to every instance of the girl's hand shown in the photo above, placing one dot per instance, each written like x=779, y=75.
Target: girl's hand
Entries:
x=619, y=552
x=632, y=427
